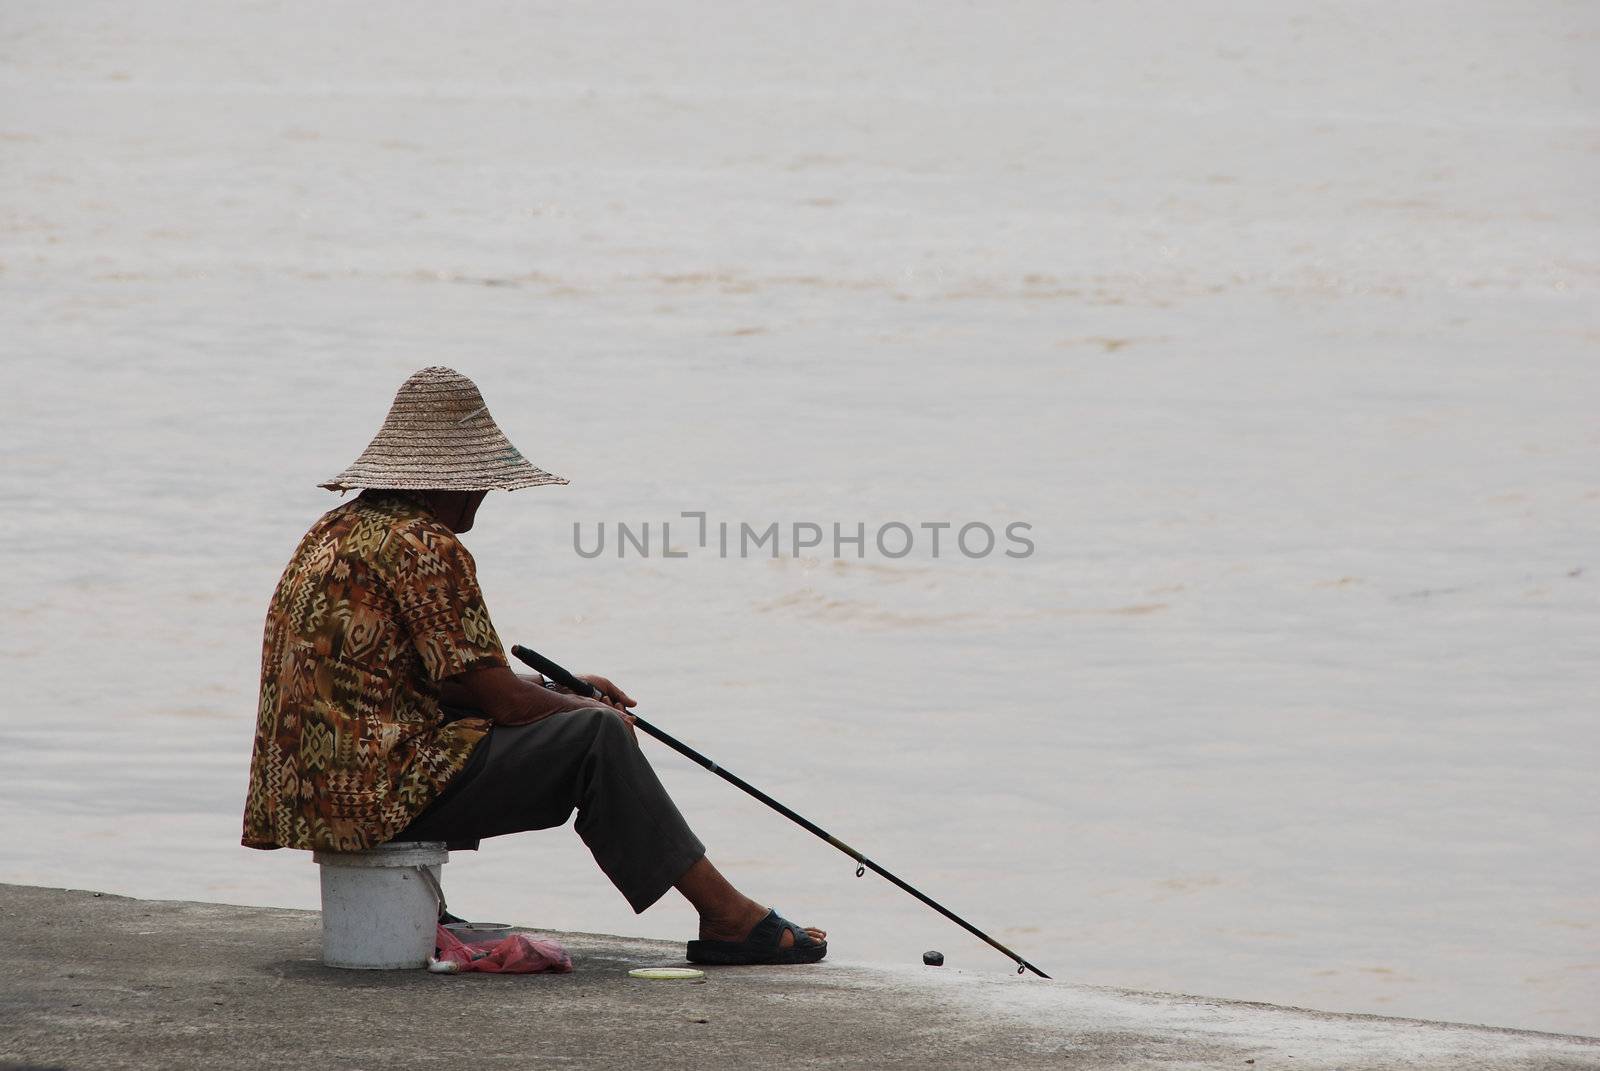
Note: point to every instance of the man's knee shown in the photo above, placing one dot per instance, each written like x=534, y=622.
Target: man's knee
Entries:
x=605, y=727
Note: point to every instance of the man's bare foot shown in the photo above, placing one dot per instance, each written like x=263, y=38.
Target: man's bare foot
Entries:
x=737, y=927
x=726, y=914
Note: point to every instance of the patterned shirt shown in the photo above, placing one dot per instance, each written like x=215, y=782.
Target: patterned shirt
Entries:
x=378, y=605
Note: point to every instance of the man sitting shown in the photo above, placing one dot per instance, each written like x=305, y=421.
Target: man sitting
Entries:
x=388, y=710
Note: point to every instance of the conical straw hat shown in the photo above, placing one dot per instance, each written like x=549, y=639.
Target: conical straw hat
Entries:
x=439, y=435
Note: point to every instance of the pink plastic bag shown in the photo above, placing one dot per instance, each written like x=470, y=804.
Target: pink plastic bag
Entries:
x=517, y=954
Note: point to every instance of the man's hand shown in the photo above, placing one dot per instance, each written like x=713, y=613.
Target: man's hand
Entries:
x=611, y=696
x=609, y=692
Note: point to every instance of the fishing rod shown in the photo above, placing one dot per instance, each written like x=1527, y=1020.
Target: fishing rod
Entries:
x=863, y=864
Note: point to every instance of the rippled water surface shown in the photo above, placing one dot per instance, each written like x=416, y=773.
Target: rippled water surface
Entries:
x=1275, y=321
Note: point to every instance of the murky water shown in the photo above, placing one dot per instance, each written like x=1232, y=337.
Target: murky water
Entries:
x=1277, y=324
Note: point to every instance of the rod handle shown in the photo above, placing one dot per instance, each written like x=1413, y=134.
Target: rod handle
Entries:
x=559, y=674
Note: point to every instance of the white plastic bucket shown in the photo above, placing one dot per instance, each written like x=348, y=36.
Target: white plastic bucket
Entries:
x=379, y=908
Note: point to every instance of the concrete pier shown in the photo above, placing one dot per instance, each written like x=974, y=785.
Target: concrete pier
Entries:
x=97, y=981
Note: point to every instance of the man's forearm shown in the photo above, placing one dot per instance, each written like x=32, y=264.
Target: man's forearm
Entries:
x=535, y=702
x=507, y=698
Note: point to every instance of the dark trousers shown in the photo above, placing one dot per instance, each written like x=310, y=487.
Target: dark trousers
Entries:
x=526, y=777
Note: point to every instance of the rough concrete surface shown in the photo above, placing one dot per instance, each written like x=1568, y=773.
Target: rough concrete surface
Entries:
x=100, y=981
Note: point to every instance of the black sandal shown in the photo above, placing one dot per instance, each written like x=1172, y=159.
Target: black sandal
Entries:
x=762, y=946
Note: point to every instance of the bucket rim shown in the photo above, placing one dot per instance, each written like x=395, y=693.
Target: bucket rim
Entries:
x=391, y=854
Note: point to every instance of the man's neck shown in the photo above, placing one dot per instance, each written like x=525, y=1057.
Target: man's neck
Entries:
x=453, y=509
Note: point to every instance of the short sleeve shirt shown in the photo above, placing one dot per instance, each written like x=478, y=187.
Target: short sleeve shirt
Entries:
x=378, y=605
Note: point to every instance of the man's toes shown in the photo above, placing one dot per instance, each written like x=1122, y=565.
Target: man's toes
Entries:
x=787, y=940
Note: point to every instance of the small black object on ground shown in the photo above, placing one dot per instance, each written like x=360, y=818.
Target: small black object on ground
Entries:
x=933, y=959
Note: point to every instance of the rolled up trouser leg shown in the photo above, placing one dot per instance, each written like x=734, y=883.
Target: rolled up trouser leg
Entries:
x=533, y=776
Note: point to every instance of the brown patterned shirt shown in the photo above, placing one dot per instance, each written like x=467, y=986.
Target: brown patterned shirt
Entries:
x=378, y=605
